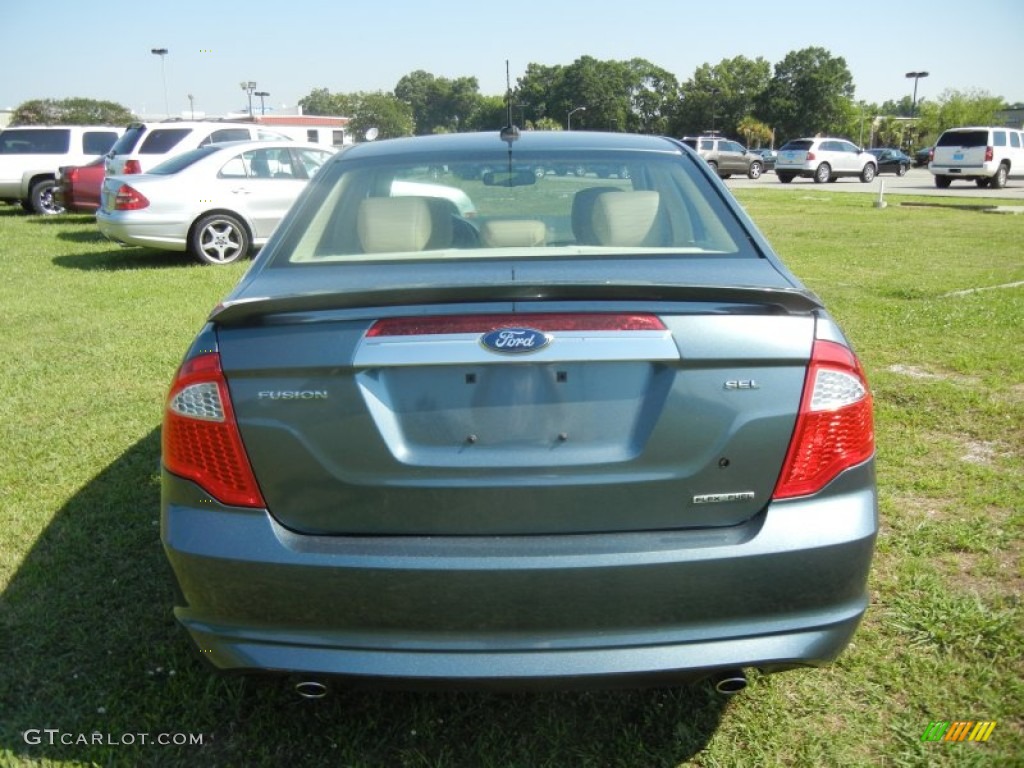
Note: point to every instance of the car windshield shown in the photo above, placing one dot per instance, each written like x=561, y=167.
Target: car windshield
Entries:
x=485, y=205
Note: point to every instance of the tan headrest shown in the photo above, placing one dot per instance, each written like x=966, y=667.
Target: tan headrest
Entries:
x=509, y=233
x=398, y=224
x=625, y=218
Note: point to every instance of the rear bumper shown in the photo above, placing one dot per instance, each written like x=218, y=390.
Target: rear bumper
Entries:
x=786, y=588
x=165, y=235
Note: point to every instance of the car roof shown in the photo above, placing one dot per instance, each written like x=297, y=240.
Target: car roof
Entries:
x=527, y=141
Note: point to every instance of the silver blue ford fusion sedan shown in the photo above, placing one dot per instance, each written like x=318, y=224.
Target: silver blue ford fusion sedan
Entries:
x=579, y=429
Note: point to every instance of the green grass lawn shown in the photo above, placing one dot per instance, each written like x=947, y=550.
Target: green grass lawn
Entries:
x=91, y=335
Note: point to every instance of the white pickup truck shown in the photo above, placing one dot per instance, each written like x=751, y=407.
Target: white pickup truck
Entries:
x=31, y=155
x=988, y=156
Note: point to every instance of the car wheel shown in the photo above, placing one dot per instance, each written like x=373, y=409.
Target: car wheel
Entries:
x=42, y=200
x=867, y=174
x=823, y=173
x=754, y=171
x=943, y=182
x=624, y=172
x=539, y=172
x=785, y=178
x=713, y=166
x=219, y=238
x=579, y=170
x=999, y=180
x=901, y=170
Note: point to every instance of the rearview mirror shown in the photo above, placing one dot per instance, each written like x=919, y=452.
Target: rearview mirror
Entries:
x=509, y=178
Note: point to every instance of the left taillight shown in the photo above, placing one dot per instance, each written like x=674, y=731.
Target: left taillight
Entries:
x=129, y=199
x=835, y=428
x=200, y=439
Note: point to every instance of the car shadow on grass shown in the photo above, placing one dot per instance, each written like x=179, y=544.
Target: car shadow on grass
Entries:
x=123, y=258
x=103, y=674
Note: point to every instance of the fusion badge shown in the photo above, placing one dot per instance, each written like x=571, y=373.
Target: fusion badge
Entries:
x=515, y=341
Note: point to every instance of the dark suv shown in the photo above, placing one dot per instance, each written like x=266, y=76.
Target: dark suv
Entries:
x=725, y=156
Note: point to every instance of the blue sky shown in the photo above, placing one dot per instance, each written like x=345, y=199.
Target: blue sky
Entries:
x=62, y=48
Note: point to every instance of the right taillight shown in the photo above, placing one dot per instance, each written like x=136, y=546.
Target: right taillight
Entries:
x=131, y=166
x=200, y=439
x=129, y=199
x=835, y=429
x=989, y=154
x=810, y=157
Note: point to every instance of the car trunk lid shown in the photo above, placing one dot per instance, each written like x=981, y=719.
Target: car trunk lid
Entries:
x=641, y=408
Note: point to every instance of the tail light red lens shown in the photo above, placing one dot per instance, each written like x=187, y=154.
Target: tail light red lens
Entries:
x=201, y=441
x=810, y=157
x=835, y=428
x=989, y=154
x=129, y=199
x=131, y=166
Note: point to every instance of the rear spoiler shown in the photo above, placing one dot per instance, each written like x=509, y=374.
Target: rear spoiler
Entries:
x=770, y=300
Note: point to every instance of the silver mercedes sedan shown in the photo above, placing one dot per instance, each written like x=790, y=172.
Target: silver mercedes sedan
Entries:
x=594, y=434
x=216, y=202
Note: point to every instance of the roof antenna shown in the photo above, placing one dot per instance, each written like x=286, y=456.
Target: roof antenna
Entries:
x=510, y=132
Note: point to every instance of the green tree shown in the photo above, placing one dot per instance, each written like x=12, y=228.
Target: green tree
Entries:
x=754, y=132
x=438, y=104
x=74, y=111
x=718, y=97
x=391, y=116
x=321, y=101
x=810, y=92
x=653, y=94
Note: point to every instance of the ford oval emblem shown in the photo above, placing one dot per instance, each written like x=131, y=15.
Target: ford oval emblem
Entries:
x=515, y=341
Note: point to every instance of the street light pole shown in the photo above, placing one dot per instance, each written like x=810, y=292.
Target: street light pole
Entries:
x=913, y=103
x=568, y=118
x=917, y=76
x=714, y=95
x=162, y=53
x=263, y=108
x=249, y=86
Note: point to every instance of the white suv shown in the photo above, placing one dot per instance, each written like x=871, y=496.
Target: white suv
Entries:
x=30, y=156
x=988, y=156
x=824, y=159
x=145, y=145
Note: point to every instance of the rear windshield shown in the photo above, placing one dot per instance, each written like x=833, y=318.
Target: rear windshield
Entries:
x=163, y=140
x=542, y=204
x=126, y=144
x=35, y=141
x=797, y=144
x=184, y=160
x=963, y=139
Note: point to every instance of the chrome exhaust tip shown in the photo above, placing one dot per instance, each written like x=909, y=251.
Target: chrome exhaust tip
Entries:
x=730, y=682
x=311, y=689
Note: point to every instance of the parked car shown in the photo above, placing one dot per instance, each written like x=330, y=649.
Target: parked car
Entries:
x=987, y=156
x=601, y=437
x=145, y=145
x=767, y=157
x=922, y=157
x=824, y=159
x=891, y=160
x=726, y=157
x=78, y=186
x=216, y=202
x=30, y=157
